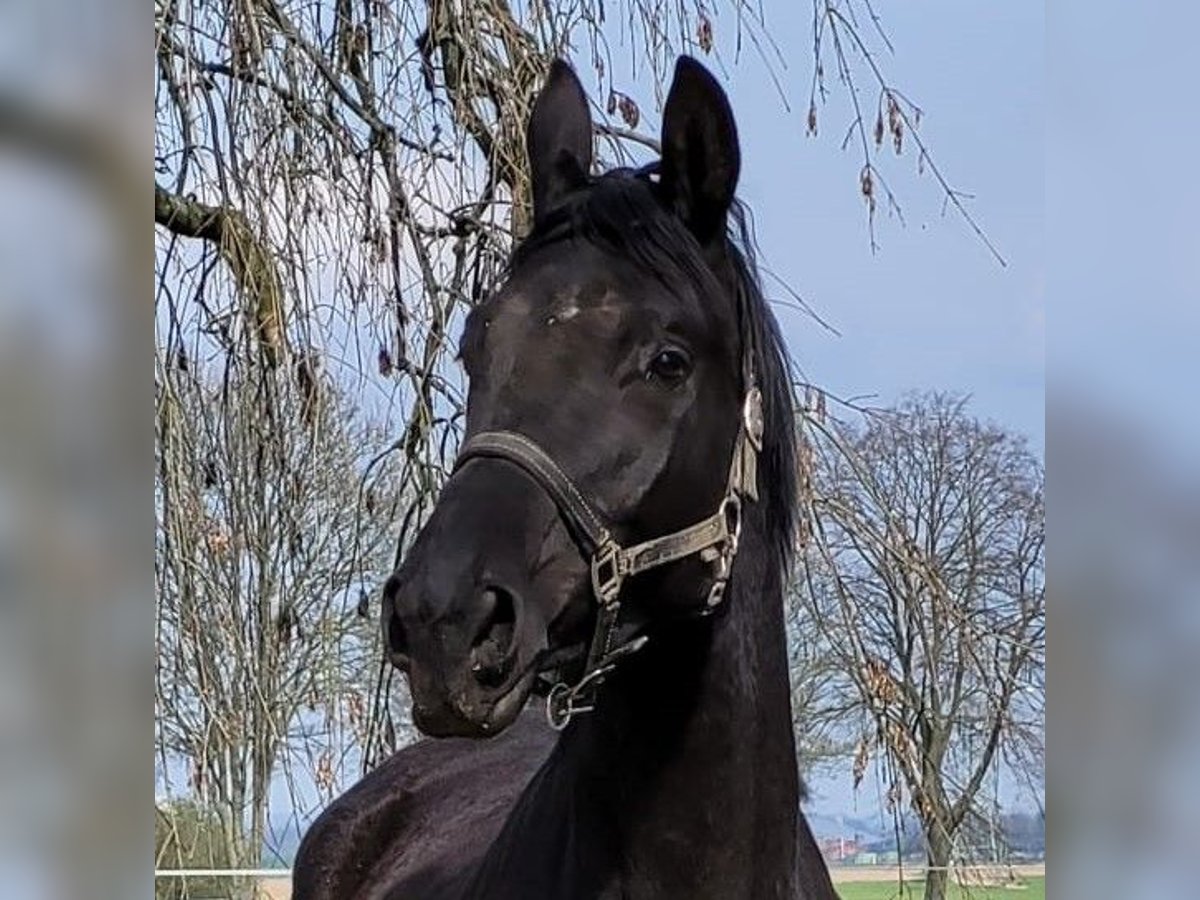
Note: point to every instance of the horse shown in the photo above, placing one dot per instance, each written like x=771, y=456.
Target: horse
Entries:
x=614, y=538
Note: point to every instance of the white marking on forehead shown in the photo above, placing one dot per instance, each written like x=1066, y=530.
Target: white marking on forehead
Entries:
x=568, y=306
x=564, y=313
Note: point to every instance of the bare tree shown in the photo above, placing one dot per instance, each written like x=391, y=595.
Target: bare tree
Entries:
x=925, y=576
x=822, y=743
x=267, y=536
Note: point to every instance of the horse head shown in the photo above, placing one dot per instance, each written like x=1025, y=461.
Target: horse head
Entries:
x=611, y=402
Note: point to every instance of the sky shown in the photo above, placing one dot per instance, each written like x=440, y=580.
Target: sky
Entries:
x=1121, y=206
x=931, y=308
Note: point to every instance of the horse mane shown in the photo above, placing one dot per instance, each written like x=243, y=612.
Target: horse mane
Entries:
x=621, y=212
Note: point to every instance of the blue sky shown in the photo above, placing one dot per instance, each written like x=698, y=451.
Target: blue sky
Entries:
x=931, y=308
x=1121, y=208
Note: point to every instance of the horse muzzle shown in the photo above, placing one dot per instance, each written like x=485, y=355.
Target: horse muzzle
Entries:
x=467, y=681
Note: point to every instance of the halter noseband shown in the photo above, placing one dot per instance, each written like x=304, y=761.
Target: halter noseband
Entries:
x=714, y=538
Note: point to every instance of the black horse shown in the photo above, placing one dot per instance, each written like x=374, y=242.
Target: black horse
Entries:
x=618, y=526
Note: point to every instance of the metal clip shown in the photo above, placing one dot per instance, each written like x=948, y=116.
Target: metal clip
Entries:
x=564, y=701
x=560, y=706
x=716, y=593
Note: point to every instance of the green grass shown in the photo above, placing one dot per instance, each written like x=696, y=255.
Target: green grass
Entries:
x=1030, y=889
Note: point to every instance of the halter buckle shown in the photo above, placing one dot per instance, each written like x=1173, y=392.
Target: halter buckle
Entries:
x=724, y=552
x=606, y=572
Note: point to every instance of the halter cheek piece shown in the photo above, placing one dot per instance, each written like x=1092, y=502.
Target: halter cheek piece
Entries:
x=715, y=539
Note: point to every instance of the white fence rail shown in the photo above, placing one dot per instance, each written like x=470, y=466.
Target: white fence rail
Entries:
x=840, y=873
x=222, y=873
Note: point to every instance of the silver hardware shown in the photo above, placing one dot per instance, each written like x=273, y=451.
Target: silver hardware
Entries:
x=731, y=508
x=752, y=417
x=560, y=706
x=724, y=563
x=562, y=702
x=606, y=572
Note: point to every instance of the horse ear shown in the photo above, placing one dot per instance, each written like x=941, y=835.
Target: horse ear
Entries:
x=559, y=139
x=700, y=155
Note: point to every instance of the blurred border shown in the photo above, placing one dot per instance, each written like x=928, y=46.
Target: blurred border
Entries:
x=1123, y=442
x=76, y=597
x=76, y=616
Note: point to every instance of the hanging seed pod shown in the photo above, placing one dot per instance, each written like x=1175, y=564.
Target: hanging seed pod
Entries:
x=895, y=123
x=867, y=186
x=704, y=34
x=629, y=111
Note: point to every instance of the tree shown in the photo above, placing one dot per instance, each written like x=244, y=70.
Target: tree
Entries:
x=267, y=535
x=821, y=742
x=347, y=178
x=925, y=578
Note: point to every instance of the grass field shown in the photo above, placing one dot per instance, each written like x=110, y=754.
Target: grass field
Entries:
x=1032, y=888
x=1029, y=889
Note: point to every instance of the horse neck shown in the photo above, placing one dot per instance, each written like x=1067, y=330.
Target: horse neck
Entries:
x=683, y=781
x=704, y=734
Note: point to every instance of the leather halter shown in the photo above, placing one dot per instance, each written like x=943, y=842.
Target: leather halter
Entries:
x=714, y=539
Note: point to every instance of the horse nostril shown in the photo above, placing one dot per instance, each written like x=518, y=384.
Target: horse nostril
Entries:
x=396, y=637
x=491, y=651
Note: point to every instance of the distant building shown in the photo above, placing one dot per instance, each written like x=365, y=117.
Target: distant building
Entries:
x=839, y=849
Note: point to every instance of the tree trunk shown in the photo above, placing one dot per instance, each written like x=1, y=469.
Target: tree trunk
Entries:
x=263, y=765
x=937, y=875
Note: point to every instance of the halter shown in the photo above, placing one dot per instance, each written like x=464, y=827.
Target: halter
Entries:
x=714, y=539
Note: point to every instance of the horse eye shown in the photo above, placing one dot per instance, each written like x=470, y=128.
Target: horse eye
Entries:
x=670, y=364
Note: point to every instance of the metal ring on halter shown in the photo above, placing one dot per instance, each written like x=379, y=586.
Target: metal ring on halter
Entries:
x=559, y=707
x=562, y=701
